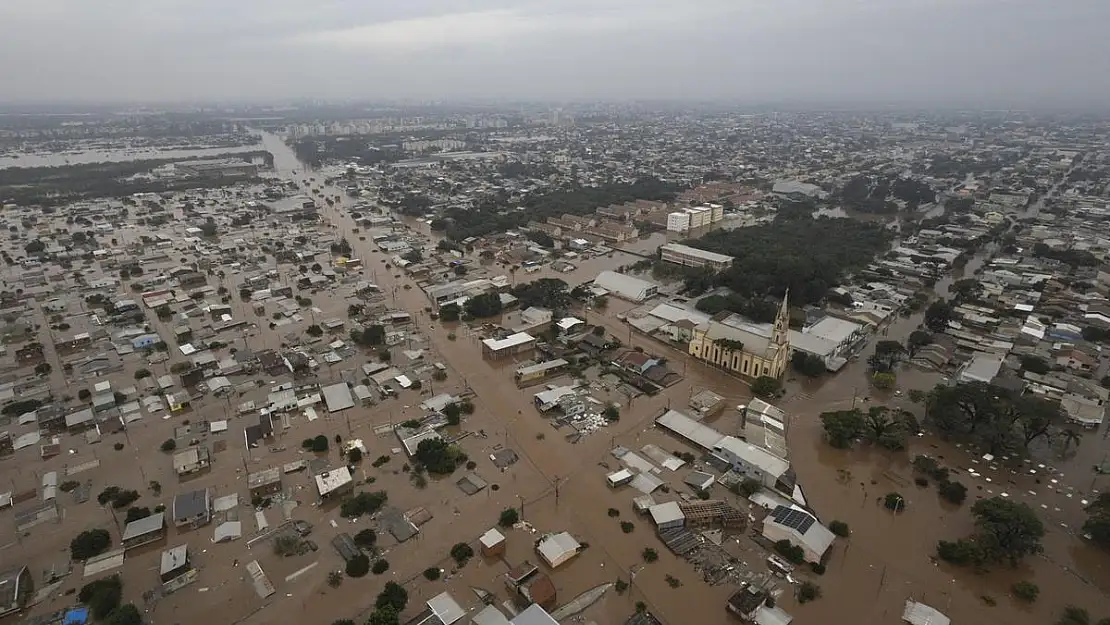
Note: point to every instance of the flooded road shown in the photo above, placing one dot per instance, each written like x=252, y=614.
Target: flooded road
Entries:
x=888, y=560
x=116, y=155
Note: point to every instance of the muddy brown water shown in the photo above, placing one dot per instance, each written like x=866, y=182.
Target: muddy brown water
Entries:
x=887, y=560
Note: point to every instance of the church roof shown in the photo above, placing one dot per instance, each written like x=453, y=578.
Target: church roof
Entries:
x=754, y=343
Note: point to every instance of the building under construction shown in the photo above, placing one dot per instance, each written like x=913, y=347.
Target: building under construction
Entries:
x=713, y=513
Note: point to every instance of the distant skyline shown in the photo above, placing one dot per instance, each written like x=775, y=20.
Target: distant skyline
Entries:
x=989, y=53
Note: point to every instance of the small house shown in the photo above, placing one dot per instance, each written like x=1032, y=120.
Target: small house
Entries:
x=558, y=549
x=192, y=508
x=175, y=563
x=493, y=544
x=145, y=530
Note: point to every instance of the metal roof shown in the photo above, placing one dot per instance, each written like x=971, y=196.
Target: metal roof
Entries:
x=146, y=525
x=338, y=397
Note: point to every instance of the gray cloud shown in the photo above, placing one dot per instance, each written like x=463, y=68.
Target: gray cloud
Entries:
x=990, y=52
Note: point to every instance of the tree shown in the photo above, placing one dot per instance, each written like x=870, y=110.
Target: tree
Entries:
x=320, y=443
x=960, y=552
x=366, y=538
x=484, y=305
x=1005, y=531
x=381, y=565
x=362, y=504
x=135, y=513
x=995, y=420
x=842, y=427
x=887, y=355
x=358, y=566
x=808, y=365
x=937, y=315
x=952, y=492
x=432, y=573
x=461, y=553
x=450, y=312
x=509, y=517
x=169, y=445
x=885, y=427
x=102, y=596
x=370, y=336
x=840, y=528
x=126, y=614
x=766, y=386
x=895, y=502
x=598, y=331
x=393, y=595
x=354, y=455
x=1034, y=364
x=384, y=616
x=314, y=330
x=790, y=551
x=43, y=368
x=452, y=412
x=142, y=373
x=89, y=543
x=1026, y=591
x=1074, y=616
x=439, y=457
x=917, y=340
x=649, y=555
x=612, y=412
x=1098, y=520
x=808, y=591
x=748, y=487
x=460, y=270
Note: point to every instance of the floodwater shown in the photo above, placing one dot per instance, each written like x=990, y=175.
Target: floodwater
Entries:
x=81, y=157
x=888, y=559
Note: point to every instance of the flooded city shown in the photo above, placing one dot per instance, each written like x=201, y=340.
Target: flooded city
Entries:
x=434, y=369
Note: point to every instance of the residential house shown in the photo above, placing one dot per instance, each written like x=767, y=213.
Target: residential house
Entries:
x=192, y=508
x=801, y=528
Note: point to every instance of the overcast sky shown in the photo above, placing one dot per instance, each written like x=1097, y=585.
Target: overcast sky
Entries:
x=1005, y=53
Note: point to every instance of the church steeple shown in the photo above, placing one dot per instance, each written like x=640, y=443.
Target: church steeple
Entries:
x=780, y=334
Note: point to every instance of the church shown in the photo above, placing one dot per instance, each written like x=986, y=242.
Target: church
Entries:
x=740, y=346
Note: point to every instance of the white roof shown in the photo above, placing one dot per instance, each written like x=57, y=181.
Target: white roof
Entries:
x=491, y=538
x=567, y=323
x=338, y=397
x=554, y=547
x=227, y=531
x=701, y=435
x=145, y=525
x=755, y=456
x=627, y=286
x=679, y=248
x=617, y=476
x=175, y=558
x=217, y=426
x=332, y=479
x=489, y=615
x=921, y=614
x=666, y=513
x=446, y=608
x=834, y=329
x=513, y=340
x=534, y=615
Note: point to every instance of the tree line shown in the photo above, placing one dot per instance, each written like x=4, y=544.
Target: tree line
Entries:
x=808, y=256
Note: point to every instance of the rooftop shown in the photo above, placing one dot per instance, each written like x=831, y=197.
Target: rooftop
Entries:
x=147, y=525
x=333, y=479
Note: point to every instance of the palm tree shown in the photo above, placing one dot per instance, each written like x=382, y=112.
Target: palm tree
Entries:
x=335, y=578
x=1070, y=436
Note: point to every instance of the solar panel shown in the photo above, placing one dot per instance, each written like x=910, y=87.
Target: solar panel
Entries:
x=794, y=519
